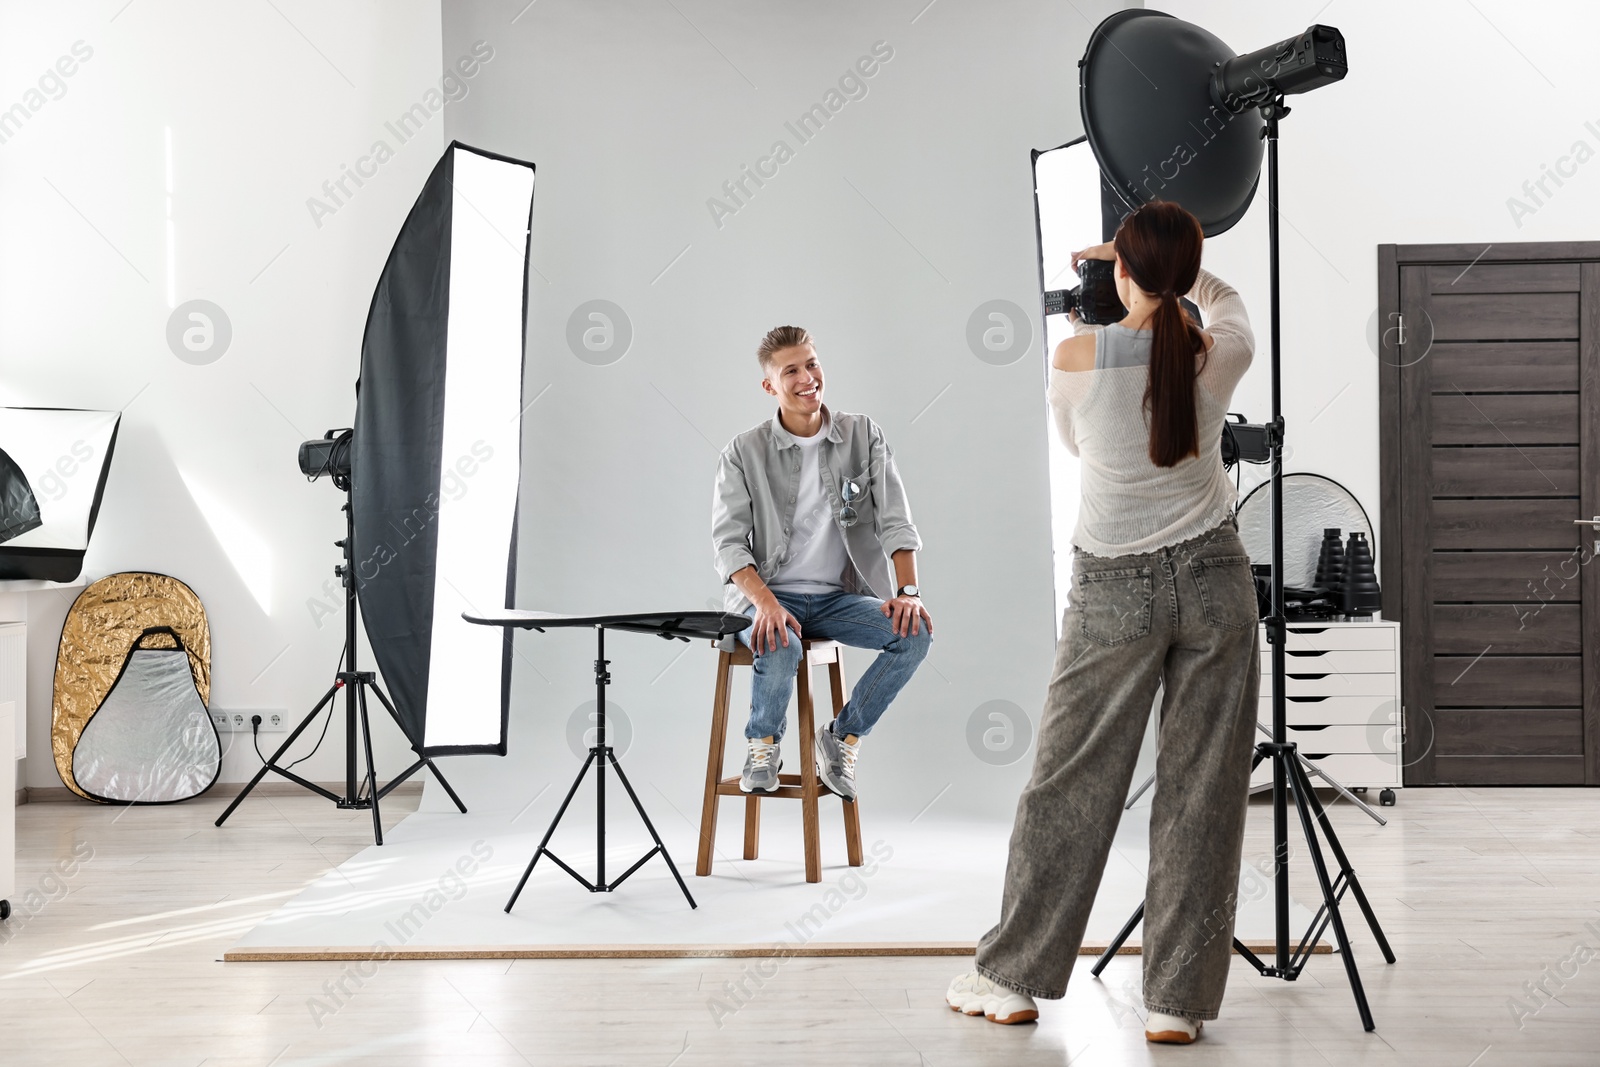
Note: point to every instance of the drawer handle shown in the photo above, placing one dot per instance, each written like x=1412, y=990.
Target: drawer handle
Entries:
x=1309, y=729
x=1316, y=755
x=1298, y=652
x=1306, y=700
x=1309, y=677
x=1308, y=629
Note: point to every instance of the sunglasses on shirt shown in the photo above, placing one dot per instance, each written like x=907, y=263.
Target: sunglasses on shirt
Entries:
x=849, y=492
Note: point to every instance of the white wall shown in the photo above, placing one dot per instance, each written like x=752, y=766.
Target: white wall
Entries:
x=1448, y=108
x=882, y=236
x=264, y=104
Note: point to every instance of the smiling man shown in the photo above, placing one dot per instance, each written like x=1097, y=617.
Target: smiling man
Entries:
x=808, y=514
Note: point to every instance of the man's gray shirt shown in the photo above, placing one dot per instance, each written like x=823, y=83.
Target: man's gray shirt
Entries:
x=752, y=511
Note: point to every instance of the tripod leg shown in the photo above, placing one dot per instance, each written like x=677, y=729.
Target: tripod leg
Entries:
x=551, y=831
x=648, y=825
x=395, y=715
x=1137, y=793
x=451, y=793
x=271, y=763
x=1302, y=788
x=1321, y=815
x=1116, y=942
x=1312, y=768
x=372, y=773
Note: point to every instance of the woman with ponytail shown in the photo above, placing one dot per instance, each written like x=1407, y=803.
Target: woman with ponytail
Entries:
x=1161, y=595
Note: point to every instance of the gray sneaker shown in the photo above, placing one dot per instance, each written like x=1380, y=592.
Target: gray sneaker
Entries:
x=836, y=762
x=761, y=767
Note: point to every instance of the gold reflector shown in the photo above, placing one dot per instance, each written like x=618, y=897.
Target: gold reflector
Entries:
x=104, y=622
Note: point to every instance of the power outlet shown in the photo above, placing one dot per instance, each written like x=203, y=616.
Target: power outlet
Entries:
x=238, y=722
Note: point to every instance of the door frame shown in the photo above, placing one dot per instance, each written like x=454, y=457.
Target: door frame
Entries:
x=1416, y=666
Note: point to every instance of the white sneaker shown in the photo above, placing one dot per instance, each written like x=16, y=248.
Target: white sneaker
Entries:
x=974, y=994
x=761, y=766
x=836, y=761
x=1164, y=1029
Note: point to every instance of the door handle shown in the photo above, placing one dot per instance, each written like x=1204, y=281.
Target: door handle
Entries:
x=1588, y=522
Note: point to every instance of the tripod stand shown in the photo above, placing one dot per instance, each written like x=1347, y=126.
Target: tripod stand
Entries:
x=355, y=683
x=1288, y=775
x=601, y=754
x=1310, y=768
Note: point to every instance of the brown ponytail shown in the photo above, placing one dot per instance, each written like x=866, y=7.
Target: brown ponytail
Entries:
x=1159, y=245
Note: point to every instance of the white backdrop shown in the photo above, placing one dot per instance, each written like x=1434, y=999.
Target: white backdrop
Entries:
x=883, y=234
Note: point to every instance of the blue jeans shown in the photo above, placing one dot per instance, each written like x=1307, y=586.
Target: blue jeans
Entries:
x=850, y=619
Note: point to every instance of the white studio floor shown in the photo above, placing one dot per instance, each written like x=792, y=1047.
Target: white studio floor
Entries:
x=926, y=886
x=117, y=961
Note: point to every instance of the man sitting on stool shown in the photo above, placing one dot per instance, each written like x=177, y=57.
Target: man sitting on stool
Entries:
x=808, y=509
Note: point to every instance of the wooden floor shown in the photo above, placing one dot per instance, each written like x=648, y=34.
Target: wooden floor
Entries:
x=1483, y=892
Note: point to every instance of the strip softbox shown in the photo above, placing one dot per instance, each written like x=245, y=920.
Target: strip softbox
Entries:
x=436, y=457
x=51, y=482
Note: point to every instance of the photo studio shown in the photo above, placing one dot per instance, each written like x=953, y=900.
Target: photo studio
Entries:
x=1129, y=475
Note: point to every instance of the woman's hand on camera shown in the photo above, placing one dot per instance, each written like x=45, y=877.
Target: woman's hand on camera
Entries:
x=1104, y=250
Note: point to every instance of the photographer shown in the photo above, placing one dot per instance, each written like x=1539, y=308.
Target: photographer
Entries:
x=1161, y=594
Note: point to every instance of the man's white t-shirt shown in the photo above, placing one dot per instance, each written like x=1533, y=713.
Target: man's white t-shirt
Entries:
x=816, y=558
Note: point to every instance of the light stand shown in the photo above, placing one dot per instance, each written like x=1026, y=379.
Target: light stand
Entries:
x=1288, y=776
x=355, y=683
x=1287, y=773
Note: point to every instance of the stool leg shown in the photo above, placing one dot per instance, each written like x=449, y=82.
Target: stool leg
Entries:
x=852, y=810
x=808, y=776
x=752, y=827
x=719, y=741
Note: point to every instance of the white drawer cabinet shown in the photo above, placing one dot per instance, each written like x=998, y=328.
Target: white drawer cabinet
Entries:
x=9, y=712
x=1343, y=700
x=1330, y=710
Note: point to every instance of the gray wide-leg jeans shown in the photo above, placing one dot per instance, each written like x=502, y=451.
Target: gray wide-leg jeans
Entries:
x=1184, y=616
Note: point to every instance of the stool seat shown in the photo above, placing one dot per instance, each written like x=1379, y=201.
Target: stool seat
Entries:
x=806, y=787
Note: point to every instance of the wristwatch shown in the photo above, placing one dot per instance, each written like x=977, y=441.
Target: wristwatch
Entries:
x=908, y=590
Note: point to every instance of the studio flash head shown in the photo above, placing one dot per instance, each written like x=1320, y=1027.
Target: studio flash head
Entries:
x=1299, y=64
x=328, y=456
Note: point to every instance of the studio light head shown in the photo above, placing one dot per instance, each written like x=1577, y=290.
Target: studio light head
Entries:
x=328, y=456
x=1298, y=65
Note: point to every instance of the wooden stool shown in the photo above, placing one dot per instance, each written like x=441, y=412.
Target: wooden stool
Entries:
x=805, y=786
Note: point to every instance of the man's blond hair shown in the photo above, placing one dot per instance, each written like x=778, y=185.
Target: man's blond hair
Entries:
x=779, y=338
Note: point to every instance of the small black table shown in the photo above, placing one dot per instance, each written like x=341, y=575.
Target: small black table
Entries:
x=671, y=625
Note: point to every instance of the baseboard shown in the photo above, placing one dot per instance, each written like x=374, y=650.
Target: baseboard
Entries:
x=60, y=794
x=592, y=952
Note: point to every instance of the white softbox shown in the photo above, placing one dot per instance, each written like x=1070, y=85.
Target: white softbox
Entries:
x=436, y=454
x=53, y=466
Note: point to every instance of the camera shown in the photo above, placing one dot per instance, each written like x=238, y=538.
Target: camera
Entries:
x=1095, y=297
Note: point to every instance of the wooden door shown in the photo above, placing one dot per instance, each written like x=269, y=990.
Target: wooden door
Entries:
x=1491, y=451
